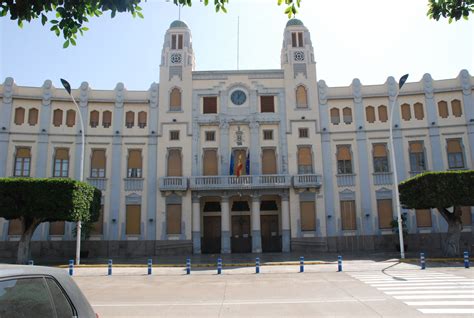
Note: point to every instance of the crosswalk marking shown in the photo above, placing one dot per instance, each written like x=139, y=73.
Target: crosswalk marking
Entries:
x=428, y=292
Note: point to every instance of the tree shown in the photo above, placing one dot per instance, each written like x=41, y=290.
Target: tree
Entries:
x=451, y=9
x=447, y=192
x=37, y=200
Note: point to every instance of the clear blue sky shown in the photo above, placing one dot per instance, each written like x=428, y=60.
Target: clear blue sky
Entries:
x=370, y=40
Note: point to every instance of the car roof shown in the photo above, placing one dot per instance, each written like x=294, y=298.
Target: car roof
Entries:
x=80, y=302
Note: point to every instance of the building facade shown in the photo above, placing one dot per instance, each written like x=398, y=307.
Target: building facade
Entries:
x=239, y=161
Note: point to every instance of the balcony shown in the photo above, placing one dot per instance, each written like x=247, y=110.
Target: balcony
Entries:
x=242, y=182
x=133, y=184
x=99, y=183
x=307, y=181
x=345, y=180
x=383, y=178
x=173, y=183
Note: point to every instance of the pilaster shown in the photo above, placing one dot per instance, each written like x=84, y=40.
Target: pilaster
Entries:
x=225, y=224
x=151, y=177
x=468, y=102
x=431, y=109
x=5, y=120
x=196, y=232
x=255, y=221
x=285, y=222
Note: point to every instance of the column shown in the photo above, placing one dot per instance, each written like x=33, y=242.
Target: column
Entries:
x=5, y=118
x=254, y=148
x=196, y=224
x=285, y=223
x=225, y=225
x=256, y=233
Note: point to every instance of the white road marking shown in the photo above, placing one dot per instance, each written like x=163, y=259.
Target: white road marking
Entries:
x=462, y=296
x=426, y=280
x=423, y=287
x=441, y=303
x=418, y=291
x=422, y=284
x=452, y=311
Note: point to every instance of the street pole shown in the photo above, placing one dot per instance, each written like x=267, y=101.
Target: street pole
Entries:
x=67, y=86
x=394, y=165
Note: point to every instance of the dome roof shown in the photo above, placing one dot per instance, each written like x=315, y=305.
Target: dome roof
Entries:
x=294, y=22
x=178, y=24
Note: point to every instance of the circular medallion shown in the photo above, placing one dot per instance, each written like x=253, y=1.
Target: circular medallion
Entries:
x=175, y=58
x=238, y=97
x=299, y=56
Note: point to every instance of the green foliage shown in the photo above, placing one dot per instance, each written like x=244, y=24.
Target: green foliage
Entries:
x=48, y=200
x=394, y=224
x=451, y=9
x=72, y=14
x=438, y=190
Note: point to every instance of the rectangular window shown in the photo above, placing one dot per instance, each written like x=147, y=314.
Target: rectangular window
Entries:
x=269, y=161
x=133, y=219
x=303, y=133
x=142, y=119
x=384, y=210
x=97, y=227
x=15, y=227
x=173, y=41
x=380, y=158
x=297, y=39
x=348, y=215
x=70, y=118
x=210, y=135
x=308, y=216
x=455, y=154
x=129, y=119
x=174, y=163
x=210, y=167
x=107, y=119
x=98, y=163
x=300, y=39
x=268, y=135
x=173, y=219
x=134, y=166
x=94, y=119
x=209, y=105
x=466, y=217
x=344, y=160
x=174, y=134
x=305, y=160
x=423, y=218
x=61, y=163
x=267, y=104
x=180, y=41
x=417, y=156
x=22, y=162
x=56, y=228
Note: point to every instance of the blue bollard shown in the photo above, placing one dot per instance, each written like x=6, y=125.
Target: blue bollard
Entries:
x=339, y=263
x=422, y=260
x=257, y=265
x=30, y=262
x=150, y=264
x=109, y=271
x=219, y=266
x=466, y=259
x=301, y=264
x=71, y=267
x=188, y=266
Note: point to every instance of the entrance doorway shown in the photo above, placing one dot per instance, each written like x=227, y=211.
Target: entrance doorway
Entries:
x=241, y=240
x=211, y=241
x=271, y=240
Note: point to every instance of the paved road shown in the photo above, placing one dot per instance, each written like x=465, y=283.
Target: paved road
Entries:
x=364, y=289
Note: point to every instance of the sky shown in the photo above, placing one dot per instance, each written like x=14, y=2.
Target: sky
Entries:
x=366, y=39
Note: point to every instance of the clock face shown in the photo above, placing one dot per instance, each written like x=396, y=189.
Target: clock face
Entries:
x=238, y=97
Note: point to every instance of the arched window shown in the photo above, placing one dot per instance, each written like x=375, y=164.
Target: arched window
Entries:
x=142, y=119
x=406, y=113
x=370, y=114
x=301, y=97
x=347, y=115
x=70, y=118
x=443, y=109
x=107, y=119
x=57, y=117
x=19, y=116
x=419, y=113
x=383, y=115
x=456, y=108
x=94, y=119
x=129, y=119
x=335, y=117
x=175, y=99
x=32, y=116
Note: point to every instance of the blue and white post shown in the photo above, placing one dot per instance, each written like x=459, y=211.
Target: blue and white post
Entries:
x=257, y=265
x=109, y=268
x=219, y=266
x=422, y=260
x=466, y=259
x=30, y=262
x=150, y=265
x=339, y=263
x=71, y=267
x=188, y=266
x=301, y=264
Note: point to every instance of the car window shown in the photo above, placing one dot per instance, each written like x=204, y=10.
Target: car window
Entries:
x=61, y=303
x=25, y=297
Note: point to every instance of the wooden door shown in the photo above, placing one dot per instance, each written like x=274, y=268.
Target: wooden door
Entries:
x=271, y=239
x=241, y=240
x=211, y=241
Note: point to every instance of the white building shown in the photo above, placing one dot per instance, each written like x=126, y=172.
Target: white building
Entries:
x=315, y=176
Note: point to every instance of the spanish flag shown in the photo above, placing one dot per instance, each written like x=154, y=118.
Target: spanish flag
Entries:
x=238, y=171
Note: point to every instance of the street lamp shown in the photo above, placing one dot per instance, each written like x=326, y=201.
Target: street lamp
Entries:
x=402, y=81
x=67, y=86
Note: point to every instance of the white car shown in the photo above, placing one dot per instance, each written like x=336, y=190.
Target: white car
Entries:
x=37, y=291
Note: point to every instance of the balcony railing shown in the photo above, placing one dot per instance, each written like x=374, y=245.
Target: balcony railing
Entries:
x=173, y=183
x=133, y=184
x=99, y=183
x=307, y=181
x=242, y=182
x=345, y=180
x=382, y=178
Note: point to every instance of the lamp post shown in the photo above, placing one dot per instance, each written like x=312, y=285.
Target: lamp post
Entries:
x=395, y=177
x=67, y=86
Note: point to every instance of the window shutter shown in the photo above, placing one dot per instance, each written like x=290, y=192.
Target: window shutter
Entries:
x=406, y=113
x=33, y=116
x=454, y=145
x=62, y=154
x=343, y=153
x=443, y=109
x=106, y=118
x=419, y=113
x=423, y=218
x=210, y=105
x=98, y=159
x=23, y=153
x=466, y=217
x=57, y=117
x=19, y=115
x=56, y=228
x=134, y=159
x=370, y=114
x=129, y=119
x=305, y=156
x=301, y=97
x=94, y=118
x=383, y=116
x=416, y=147
x=142, y=119
x=308, y=217
x=347, y=115
x=348, y=215
x=175, y=99
x=173, y=218
x=133, y=219
x=380, y=150
x=210, y=162
x=15, y=227
x=384, y=208
x=267, y=104
x=269, y=164
x=174, y=163
x=335, y=117
x=70, y=118
x=456, y=108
